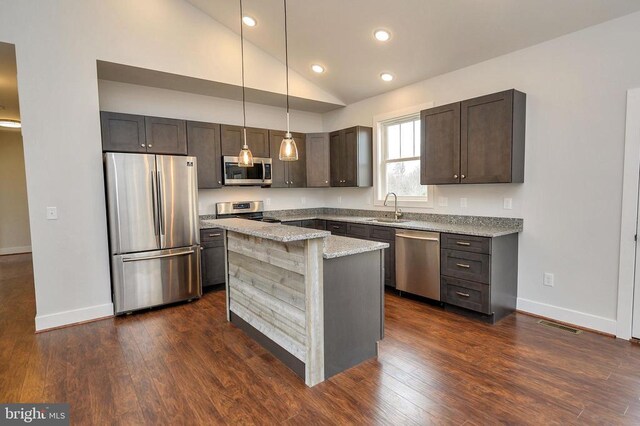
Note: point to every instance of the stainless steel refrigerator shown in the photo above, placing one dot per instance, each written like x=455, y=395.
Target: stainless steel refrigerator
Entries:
x=154, y=236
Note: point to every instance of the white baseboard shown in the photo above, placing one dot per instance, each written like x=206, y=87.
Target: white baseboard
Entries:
x=15, y=250
x=557, y=313
x=59, y=319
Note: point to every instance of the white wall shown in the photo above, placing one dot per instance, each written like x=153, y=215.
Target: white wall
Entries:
x=14, y=210
x=135, y=99
x=57, y=45
x=571, y=199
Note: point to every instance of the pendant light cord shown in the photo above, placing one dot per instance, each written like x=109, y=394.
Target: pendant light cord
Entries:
x=286, y=58
x=244, y=108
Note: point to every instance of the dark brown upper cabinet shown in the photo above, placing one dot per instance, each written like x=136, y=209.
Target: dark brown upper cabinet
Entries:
x=123, y=132
x=203, y=142
x=288, y=174
x=231, y=140
x=351, y=157
x=136, y=133
x=479, y=140
x=166, y=135
x=440, y=145
x=318, y=172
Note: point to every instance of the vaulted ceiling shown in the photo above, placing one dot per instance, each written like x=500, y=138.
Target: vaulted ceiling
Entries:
x=429, y=37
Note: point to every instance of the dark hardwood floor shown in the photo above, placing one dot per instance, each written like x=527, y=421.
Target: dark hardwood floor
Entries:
x=187, y=365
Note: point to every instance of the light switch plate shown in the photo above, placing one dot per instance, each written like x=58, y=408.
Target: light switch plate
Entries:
x=52, y=213
x=508, y=203
x=548, y=279
x=443, y=201
x=463, y=202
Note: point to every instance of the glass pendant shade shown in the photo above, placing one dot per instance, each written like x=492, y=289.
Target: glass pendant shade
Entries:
x=288, y=149
x=245, y=158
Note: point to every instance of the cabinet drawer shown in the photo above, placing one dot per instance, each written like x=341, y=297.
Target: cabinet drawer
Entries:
x=382, y=233
x=466, y=294
x=466, y=243
x=337, y=228
x=293, y=223
x=465, y=265
x=357, y=230
x=211, y=235
x=320, y=224
x=311, y=223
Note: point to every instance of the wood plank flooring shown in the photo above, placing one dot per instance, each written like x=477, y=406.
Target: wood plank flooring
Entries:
x=187, y=365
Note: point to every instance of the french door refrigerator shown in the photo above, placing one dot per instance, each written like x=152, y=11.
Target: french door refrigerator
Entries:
x=154, y=236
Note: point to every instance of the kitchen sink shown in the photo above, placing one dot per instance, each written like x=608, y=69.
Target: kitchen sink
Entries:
x=388, y=220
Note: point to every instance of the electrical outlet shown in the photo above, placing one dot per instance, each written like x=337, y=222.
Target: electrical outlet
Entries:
x=508, y=203
x=303, y=200
x=340, y=199
x=52, y=213
x=547, y=279
x=267, y=201
x=463, y=202
x=443, y=201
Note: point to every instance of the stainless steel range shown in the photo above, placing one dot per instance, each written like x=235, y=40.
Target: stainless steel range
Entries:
x=252, y=210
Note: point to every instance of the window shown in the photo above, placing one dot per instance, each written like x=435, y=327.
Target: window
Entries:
x=399, y=167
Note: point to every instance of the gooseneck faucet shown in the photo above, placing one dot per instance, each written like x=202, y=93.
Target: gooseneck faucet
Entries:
x=397, y=213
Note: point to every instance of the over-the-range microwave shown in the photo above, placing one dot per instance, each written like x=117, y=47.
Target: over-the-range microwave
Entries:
x=258, y=174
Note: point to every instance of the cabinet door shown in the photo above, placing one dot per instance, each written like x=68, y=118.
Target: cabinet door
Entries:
x=203, y=142
x=317, y=148
x=166, y=136
x=279, y=169
x=297, y=173
x=486, y=142
x=335, y=150
x=231, y=140
x=349, y=167
x=440, y=145
x=212, y=264
x=123, y=132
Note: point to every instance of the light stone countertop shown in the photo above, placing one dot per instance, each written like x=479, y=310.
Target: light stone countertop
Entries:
x=418, y=225
x=334, y=246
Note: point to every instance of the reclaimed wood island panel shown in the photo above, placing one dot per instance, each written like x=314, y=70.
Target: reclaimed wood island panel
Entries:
x=312, y=299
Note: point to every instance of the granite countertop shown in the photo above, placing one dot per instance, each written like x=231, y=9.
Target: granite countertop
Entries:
x=480, y=230
x=269, y=231
x=335, y=246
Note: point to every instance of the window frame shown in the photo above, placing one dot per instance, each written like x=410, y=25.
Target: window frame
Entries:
x=380, y=162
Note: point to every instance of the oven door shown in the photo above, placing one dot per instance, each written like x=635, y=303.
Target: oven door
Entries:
x=259, y=174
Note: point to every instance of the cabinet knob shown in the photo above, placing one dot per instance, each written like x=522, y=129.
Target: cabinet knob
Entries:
x=142, y=145
x=150, y=145
x=326, y=181
x=455, y=176
x=219, y=182
x=463, y=176
x=291, y=182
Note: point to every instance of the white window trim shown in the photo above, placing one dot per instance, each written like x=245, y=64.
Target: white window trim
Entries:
x=378, y=185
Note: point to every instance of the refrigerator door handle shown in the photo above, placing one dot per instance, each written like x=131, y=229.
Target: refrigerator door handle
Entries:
x=160, y=203
x=155, y=202
x=160, y=256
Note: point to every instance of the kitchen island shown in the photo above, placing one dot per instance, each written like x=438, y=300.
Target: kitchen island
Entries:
x=312, y=299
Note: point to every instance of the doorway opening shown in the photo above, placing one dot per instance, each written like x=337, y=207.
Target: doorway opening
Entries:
x=17, y=311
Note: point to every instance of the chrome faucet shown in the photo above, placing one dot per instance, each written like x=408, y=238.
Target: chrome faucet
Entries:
x=397, y=213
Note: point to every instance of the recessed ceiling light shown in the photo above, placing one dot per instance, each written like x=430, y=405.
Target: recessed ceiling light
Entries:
x=382, y=35
x=385, y=76
x=11, y=124
x=317, y=68
x=249, y=21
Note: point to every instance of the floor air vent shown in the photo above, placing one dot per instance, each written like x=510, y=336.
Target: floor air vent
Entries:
x=559, y=326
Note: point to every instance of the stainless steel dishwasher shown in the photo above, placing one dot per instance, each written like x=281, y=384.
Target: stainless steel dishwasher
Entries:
x=418, y=263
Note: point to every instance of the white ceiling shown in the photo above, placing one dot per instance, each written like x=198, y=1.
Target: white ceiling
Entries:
x=429, y=37
x=8, y=83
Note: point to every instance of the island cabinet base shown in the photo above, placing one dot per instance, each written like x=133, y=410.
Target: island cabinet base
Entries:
x=353, y=310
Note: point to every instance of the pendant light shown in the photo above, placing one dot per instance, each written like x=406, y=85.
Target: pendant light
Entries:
x=288, y=148
x=245, y=158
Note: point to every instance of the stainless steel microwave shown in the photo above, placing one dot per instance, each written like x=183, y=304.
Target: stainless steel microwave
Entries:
x=258, y=174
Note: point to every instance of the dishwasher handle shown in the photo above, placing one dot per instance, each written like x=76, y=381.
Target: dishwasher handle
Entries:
x=413, y=237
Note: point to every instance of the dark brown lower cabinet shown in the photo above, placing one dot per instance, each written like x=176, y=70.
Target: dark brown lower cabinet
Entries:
x=480, y=274
x=212, y=260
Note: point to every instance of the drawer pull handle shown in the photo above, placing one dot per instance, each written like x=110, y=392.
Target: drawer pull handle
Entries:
x=463, y=265
x=462, y=243
x=215, y=235
x=459, y=293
